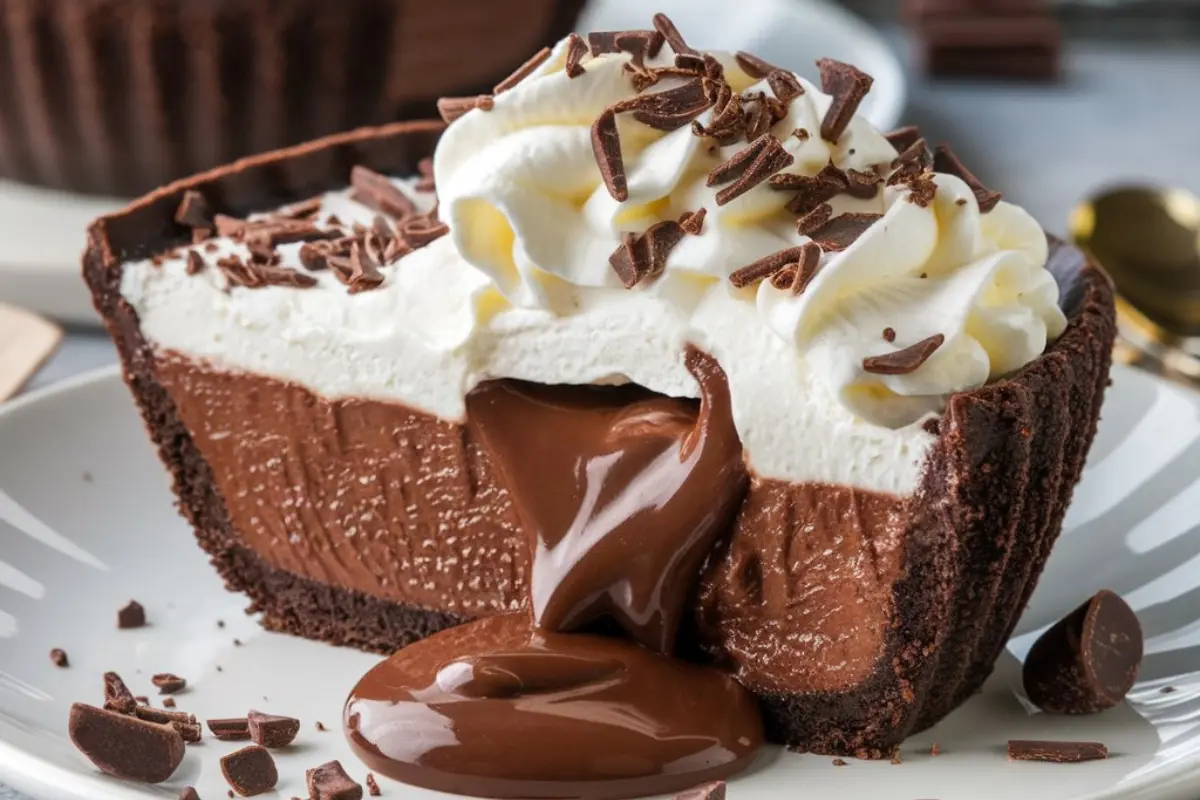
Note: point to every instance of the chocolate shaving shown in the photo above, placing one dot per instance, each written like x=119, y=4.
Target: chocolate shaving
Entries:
x=423, y=229
x=640, y=44
x=359, y=271
x=785, y=85
x=945, y=161
x=802, y=134
x=524, y=71
x=673, y=108
x=378, y=193
x=765, y=267
x=312, y=256
x=905, y=361
x=124, y=746
x=58, y=657
x=693, y=221
x=748, y=168
x=606, y=145
x=811, y=190
x=201, y=235
x=193, y=211
x=195, y=263
x=576, y=50
x=843, y=230
x=903, y=138
x=667, y=29
x=168, y=683
x=131, y=615
x=1056, y=752
x=238, y=272
x=274, y=232
x=728, y=123
x=759, y=118
x=814, y=220
x=754, y=66
x=250, y=771
x=451, y=108
x=117, y=696
x=330, y=782
x=644, y=255
x=849, y=86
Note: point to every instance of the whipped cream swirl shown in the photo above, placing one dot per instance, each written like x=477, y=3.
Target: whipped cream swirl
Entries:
x=527, y=206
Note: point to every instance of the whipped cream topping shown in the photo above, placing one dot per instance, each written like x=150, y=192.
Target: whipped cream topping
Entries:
x=523, y=287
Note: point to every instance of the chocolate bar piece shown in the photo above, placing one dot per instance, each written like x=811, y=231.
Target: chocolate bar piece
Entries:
x=1012, y=39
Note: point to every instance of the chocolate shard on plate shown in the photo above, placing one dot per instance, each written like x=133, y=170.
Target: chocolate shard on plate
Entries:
x=848, y=85
x=193, y=210
x=58, y=657
x=230, y=729
x=372, y=786
x=270, y=730
x=250, y=771
x=707, y=791
x=1088, y=661
x=576, y=49
x=189, y=793
x=131, y=615
x=906, y=360
x=843, y=230
x=451, y=108
x=749, y=167
x=606, y=145
x=944, y=160
x=644, y=255
x=168, y=683
x=124, y=746
x=524, y=71
x=1056, y=752
x=117, y=696
x=330, y=782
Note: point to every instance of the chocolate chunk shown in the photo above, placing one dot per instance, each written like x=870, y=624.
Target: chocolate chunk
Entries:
x=671, y=34
x=576, y=50
x=169, y=702
x=903, y=138
x=693, y=221
x=58, y=657
x=707, y=791
x=843, y=230
x=644, y=255
x=230, y=729
x=330, y=782
x=250, y=771
x=451, y=108
x=188, y=793
x=168, y=683
x=848, y=86
x=270, y=730
x=905, y=361
x=1088, y=661
x=811, y=190
x=378, y=193
x=670, y=109
x=372, y=786
x=749, y=167
x=754, y=66
x=606, y=145
x=524, y=71
x=946, y=162
x=185, y=724
x=117, y=696
x=124, y=746
x=193, y=210
x=195, y=263
x=1056, y=752
x=785, y=85
x=765, y=267
x=132, y=615
x=814, y=220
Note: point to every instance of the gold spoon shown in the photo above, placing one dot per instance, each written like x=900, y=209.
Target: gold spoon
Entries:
x=1148, y=240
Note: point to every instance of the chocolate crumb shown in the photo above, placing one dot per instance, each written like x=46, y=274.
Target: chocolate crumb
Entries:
x=839, y=762
x=124, y=746
x=237, y=642
x=906, y=360
x=606, y=145
x=117, y=696
x=451, y=108
x=707, y=791
x=843, y=230
x=372, y=786
x=889, y=334
x=944, y=160
x=962, y=201
x=193, y=210
x=1056, y=752
x=1167, y=690
x=932, y=426
x=168, y=702
x=132, y=615
x=642, y=256
x=524, y=71
x=935, y=749
x=321, y=726
x=270, y=730
x=576, y=50
x=87, y=477
x=250, y=771
x=330, y=782
x=754, y=66
x=188, y=793
x=168, y=683
x=220, y=623
x=671, y=34
x=749, y=167
x=802, y=134
x=231, y=729
x=58, y=657
x=922, y=189
x=849, y=86
x=693, y=221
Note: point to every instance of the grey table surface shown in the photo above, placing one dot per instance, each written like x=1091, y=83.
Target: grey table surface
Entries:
x=1124, y=111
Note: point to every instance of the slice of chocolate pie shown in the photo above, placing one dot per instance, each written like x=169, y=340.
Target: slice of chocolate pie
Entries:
x=912, y=370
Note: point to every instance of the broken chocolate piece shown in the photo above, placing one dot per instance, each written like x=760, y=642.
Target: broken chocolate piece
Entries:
x=848, y=85
x=1056, y=752
x=944, y=160
x=132, y=615
x=230, y=729
x=1088, y=661
x=330, y=782
x=524, y=71
x=124, y=746
x=915, y=153
x=270, y=730
x=188, y=793
x=785, y=85
x=378, y=193
x=576, y=50
x=58, y=657
x=671, y=34
x=193, y=210
x=906, y=360
x=644, y=255
x=749, y=167
x=707, y=791
x=843, y=230
x=639, y=44
x=372, y=786
x=117, y=696
x=451, y=108
x=754, y=66
x=168, y=702
x=606, y=145
x=168, y=683
x=250, y=771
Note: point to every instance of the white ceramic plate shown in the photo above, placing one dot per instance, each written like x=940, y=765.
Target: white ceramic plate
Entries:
x=86, y=523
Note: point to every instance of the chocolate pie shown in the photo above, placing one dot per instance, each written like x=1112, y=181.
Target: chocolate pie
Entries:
x=662, y=370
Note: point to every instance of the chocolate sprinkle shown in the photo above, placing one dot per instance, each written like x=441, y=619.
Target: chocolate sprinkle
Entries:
x=889, y=334
x=606, y=145
x=843, y=230
x=849, y=86
x=132, y=615
x=58, y=657
x=330, y=782
x=766, y=266
x=644, y=255
x=749, y=167
x=250, y=771
x=270, y=730
x=1056, y=752
x=693, y=221
x=707, y=791
x=193, y=211
x=451, y=108
x=378, y=193
x=905, y=361
x=231, y=729
x=754, y=66
x=168, y=683
x=117, y=696
x=195, y=263
x=124, y=746
x=664, y=25
x=524, y=71
x=576, y=50
x=944, y=160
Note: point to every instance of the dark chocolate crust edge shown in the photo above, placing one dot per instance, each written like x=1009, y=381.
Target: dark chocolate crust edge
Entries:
x=991, y=504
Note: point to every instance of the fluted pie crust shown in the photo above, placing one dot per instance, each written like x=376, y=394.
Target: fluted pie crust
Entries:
x=978, y=530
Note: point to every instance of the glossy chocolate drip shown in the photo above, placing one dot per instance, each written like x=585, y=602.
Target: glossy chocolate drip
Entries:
x=622, y=494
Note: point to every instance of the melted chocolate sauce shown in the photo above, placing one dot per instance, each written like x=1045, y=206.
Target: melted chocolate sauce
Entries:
x=622, y=494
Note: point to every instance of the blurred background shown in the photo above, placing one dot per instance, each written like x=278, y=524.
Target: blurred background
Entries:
x=1057, y=103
